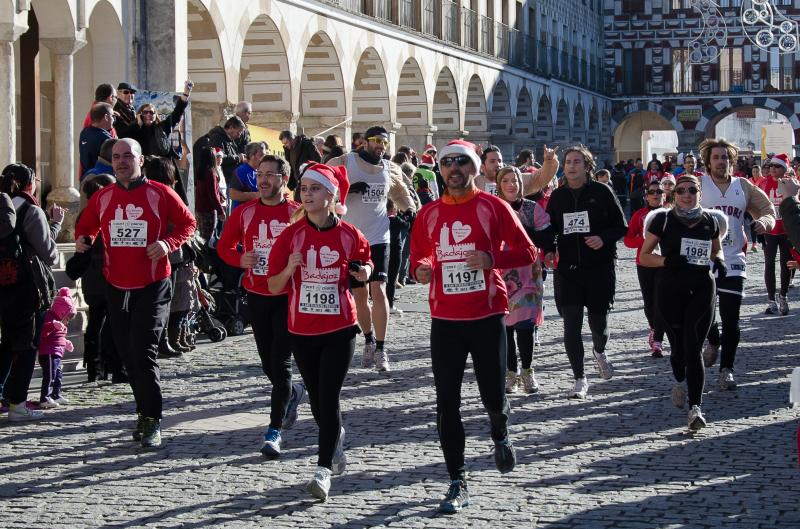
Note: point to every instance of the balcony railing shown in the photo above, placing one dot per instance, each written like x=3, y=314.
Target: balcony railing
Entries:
x=450, y=12
x=722, y=81
x=429, y=17
x=408, y=15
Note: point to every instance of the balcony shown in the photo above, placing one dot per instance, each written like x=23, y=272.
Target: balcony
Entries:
x=722, y=81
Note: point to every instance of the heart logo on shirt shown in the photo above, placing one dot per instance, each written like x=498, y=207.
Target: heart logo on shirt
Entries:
x=276, y=227
x=327, y=256
x=133, y=212
x=461, y=231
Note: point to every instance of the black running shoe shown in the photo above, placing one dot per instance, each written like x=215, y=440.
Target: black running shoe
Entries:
x=504, y=456
x=457, y=498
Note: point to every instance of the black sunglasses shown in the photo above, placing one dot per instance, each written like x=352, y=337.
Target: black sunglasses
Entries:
x=461, y=160
x=683, y=190
x=655, y=192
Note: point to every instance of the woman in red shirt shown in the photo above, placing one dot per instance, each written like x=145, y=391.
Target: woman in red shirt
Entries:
x=312, y=260
x=209, y=201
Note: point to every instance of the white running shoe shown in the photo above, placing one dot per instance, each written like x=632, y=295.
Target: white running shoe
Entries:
x=529, y=382
x=396, y=310
x=48, y=403
x=62, y=400
x=696, y=419
x=21, y=412
x=772, y=307
x=320, y=484
x=381, y=361
x=726, y=380
x=580, y=389
x=679, y=395
x=710, y=354
x=368, y=358
x=339, y=463
x=512, y=382
x=603, y=365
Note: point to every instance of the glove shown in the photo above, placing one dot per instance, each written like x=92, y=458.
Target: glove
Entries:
x=675, y=261
x=720, y=268
x=359, y=187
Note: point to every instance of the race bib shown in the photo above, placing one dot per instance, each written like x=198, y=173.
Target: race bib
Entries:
x=319, y=298
x=375, y=194
x=457, y=278
x=261, y=248
x=128, y=233
x=696, y=251
x=491, y=188
x=577, y=222
x=777, y=203
x=728, y=240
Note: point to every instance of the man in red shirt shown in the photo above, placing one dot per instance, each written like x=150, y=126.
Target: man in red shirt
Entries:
x=141, y=222
x=254, y=226
x=458, y=245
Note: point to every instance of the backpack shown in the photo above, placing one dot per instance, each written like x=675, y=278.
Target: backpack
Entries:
x=12, y=256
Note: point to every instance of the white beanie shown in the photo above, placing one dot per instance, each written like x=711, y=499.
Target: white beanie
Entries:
x=457, y=147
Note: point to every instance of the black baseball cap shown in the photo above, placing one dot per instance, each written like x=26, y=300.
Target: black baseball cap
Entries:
x=127, y=86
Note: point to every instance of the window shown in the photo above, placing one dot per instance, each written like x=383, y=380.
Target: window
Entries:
x=681, y=72
x=632, y=6
x=730, y=70
x=633, y=74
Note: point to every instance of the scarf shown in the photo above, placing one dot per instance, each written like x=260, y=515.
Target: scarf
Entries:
x=689, y=216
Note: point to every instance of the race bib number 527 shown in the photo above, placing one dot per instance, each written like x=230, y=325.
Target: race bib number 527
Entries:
x=128, y=233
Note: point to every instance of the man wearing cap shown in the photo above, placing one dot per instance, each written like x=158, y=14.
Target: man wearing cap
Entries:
x=126, y=112
x=372, y=180
x=734, y=197
x=459, y=243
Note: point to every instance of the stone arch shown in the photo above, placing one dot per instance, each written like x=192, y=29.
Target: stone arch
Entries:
x=594, y=128
x=562, y=124
x=648, y=106
x=523, y=121
x=544, y=123
x=371, y=105
x=322, y=95
x=716, y=113
x=412, y=106
x=500, y=121
x=475, y=116
x=101, y=60
x=628, y=135
x=264, y=77
x=206, y=62
x=446, y=105
x=56, y=19
x=579, y=124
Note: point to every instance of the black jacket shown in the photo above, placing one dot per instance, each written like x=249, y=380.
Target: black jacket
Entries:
x=606, y=220
x=790, y=214
x=303, y=152
x=126, y=116
x=218, y=138
x=154, y=139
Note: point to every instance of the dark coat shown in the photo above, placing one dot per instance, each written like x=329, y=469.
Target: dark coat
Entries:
x=303, y=151
x=219, y=139
x=126, y=116
x=154, y=139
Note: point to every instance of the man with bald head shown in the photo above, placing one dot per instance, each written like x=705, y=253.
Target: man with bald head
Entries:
x=244, y=109
x=132, y=216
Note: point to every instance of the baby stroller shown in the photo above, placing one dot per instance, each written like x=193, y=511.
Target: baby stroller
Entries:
x=202, y=321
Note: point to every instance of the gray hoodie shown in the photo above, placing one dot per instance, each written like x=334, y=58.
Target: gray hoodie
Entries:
x=40, y=235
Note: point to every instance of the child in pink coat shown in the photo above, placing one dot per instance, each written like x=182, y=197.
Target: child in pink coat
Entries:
x=52, y=344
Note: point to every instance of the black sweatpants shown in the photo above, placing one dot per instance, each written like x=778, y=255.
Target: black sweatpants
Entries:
x=685, y=304
x=272, y=341
x=647, y=284
x=138, y=318
x=524, y=342
x=17, y=350
x=772, y=243
x=99, y=351
x=730, y=292
x=323, y=361
x=451, y=342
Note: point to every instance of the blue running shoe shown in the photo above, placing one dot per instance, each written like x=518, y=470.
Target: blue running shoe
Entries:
x=272, y=443
x=457, y=498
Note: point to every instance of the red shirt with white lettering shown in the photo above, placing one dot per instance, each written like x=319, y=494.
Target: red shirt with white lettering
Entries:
x=320, y=301
x=254, y=226
x=130, y=219
x=770, y=186
x=445, y=230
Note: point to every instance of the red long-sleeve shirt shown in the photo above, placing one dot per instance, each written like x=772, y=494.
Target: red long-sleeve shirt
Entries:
x=255, y=226
x=770, y=186
x=130, y=219
x=635, y=236
x=445, y=230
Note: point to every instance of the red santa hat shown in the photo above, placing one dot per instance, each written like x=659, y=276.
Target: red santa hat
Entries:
x=218, y=152
x=457, y=147
x=427, y=161
x=780, y=159
x=430, y=147
x=333, y=179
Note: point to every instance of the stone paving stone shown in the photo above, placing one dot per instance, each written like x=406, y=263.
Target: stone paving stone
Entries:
x=622, y=458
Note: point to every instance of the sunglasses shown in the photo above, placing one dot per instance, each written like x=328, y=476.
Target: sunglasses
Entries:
x=148, y=112
x=461, y=160
x=655, y=192
x=684, y=190
x=379, y=140
x=126, y=92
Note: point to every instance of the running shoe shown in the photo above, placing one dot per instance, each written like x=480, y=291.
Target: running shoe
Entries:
x=456, y=499
x=21, y=412
x=381, y=361
x=710, y=354
x=339, y=463
x=679, y=395
x=529, y=382
x=272, y=443
x=62, y=400
x=651, y=338
x=512, y=382
x=48, y=403
x=726, y=380
x=603, y=365
x=396, y=310
x=151, y=432
x=298, y=393
x=783, y=305
x=754, y=249
x=320, y=484
x=696, y=419
x=772, y=308
x=536, y=341
x=580, y=389
x=505, y=457
x=137, y=433
x=368, y=358
x=658, y=350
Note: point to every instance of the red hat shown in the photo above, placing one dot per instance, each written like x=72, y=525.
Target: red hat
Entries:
x=63, y=304
x=427, y=160
x=462, y=147
x=218, y=152
x=430, y=147
x=780, y=159
x=333, y=178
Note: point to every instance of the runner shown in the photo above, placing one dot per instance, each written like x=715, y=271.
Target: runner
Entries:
x=373, y=180
x=141, y=222
x=525, y=284
x=647, y=276
x=734, y=197
x=532, y=182
x=588, y=221
x=253, y=227
x=689, y=238
x=459, y=243
x=776, y=239
x=312, y=260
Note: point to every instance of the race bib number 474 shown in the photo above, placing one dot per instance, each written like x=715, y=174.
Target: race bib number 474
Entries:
x=577, y=222
x=128, y=233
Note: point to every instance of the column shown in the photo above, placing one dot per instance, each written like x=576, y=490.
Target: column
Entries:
x=8, y=118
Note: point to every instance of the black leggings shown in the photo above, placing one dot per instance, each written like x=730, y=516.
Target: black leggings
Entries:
x=771, y=245
x=730, y=305
x=272, y=341
x=323, y=361
x=647, y=284
x=685, y=304
x=573, y=340
x=451, y=342
x=525, y=340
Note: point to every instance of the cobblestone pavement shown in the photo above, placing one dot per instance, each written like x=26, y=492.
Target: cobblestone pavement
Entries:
x=622, y=458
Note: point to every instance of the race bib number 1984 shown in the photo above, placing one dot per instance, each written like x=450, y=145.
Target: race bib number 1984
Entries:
x=696, y=251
